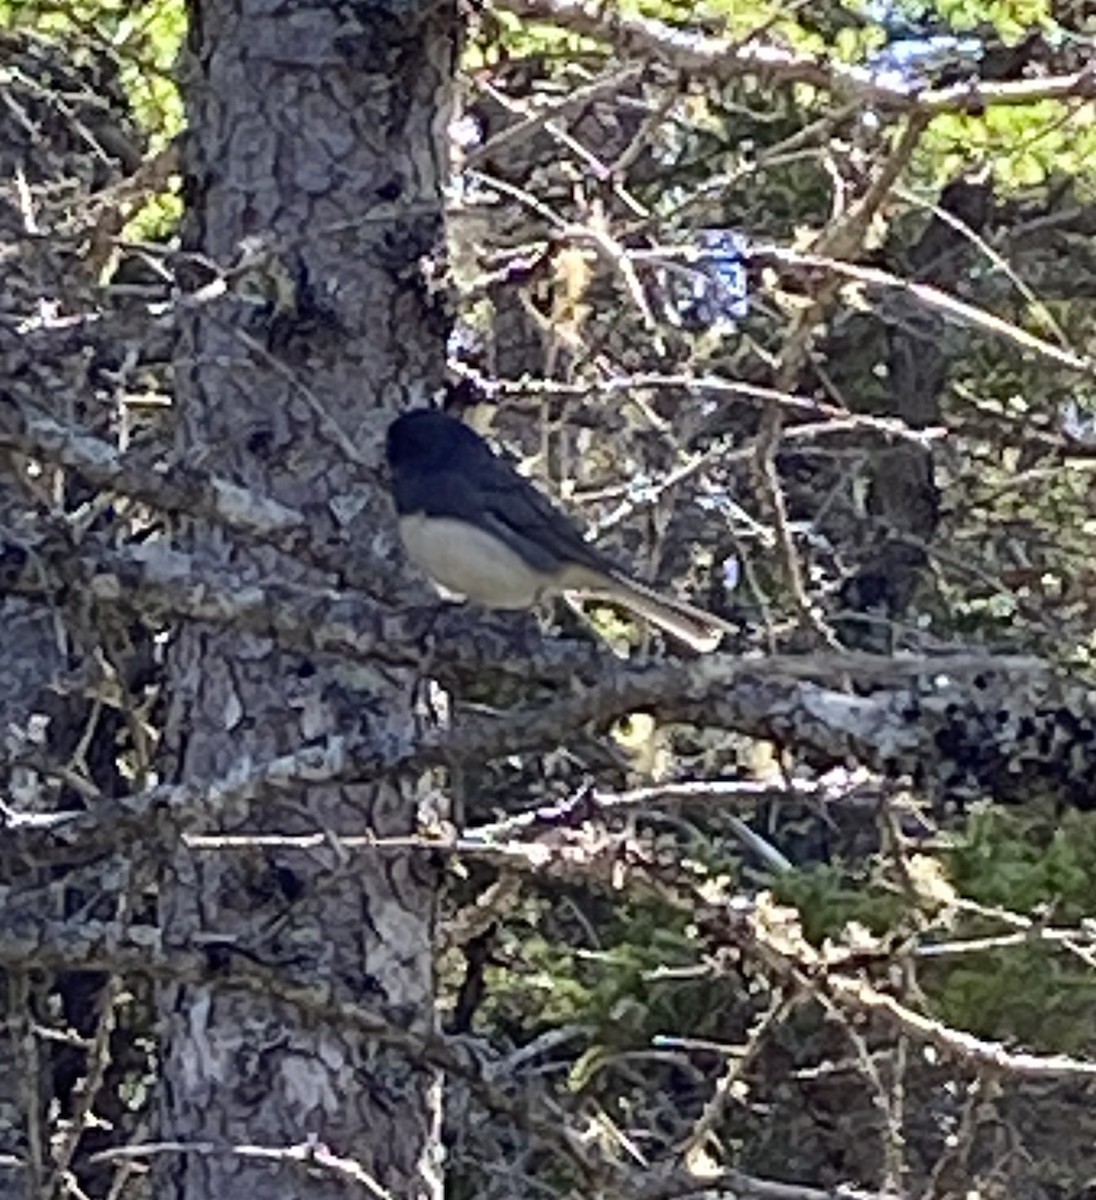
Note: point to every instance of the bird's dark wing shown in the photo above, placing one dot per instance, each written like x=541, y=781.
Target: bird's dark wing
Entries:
x=531, y=523
x=491, y=493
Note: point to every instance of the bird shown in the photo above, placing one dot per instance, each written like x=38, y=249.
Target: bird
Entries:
x=479, y=529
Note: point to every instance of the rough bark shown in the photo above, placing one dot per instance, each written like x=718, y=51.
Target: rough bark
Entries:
x=320, y=132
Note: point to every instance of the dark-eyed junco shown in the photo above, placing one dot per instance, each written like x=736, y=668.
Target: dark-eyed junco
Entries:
x=480, y=529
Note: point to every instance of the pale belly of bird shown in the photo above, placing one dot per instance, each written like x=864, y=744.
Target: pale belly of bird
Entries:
x=470, y=562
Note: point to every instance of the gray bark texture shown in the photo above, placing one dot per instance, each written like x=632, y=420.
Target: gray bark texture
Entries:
x=317, y=153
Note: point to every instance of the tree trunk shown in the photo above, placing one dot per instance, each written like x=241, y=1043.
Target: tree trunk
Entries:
x=319, y=131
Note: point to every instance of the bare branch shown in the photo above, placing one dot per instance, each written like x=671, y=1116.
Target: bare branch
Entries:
x=186, y=490
x=935, y=726
x=722, y=59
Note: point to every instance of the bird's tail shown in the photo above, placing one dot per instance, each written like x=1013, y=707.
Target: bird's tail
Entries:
x=689, y=624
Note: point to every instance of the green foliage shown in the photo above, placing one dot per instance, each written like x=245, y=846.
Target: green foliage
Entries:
x=142, y=38
x=1035, y=996
x=617, y=990
x=1024, y=861
x=1020, y=862
x=1012, y=19
x=517, y=39
x=156, y=219
x=828, y=898
x=1026, y=145
x=1037, y=992
x=638, y=982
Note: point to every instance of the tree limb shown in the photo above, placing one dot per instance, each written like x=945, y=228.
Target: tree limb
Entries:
x=722, y=59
